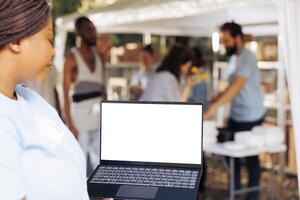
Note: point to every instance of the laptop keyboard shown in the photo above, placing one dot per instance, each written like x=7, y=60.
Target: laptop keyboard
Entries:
x=156, y=177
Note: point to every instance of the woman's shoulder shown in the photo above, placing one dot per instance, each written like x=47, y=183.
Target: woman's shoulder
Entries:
x=9, y=107
x=28, y=94
x=164, y=76
x=33, y=98
x=8, y=128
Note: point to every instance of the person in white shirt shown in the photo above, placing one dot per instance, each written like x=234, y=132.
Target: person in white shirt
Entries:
x=39, y=157
x=164, y=85
x=84, y=81
x=140, y=79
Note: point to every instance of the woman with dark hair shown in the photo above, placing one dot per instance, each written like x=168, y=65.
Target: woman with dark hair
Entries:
x=164, y=86
x=39, y=157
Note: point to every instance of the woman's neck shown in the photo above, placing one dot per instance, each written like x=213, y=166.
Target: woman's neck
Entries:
x=7, y=87
x=147, y=68
x=7, y=80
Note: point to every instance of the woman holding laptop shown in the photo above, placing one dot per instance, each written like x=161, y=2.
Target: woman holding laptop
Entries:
x=39, y=157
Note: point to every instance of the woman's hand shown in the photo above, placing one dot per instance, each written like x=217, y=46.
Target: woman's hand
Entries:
x=190, y=82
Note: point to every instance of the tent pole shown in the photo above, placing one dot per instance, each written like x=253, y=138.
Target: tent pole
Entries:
x=147, y=38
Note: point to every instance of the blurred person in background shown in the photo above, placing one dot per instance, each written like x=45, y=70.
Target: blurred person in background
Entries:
x=165, y=84
x=139, y=80
x=104, y=45
x=84, y=87
x=199, y=92
x=245, y=95
x=39, y=157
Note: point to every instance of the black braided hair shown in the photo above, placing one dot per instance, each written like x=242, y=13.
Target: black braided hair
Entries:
x=22, y=18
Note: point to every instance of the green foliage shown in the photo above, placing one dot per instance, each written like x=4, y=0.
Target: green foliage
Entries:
x=61, y=7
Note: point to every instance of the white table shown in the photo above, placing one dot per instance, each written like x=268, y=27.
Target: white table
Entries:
x=219, y=149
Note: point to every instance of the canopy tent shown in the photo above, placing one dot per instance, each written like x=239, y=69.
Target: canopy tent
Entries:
x=202, y=18
x=188, y=17
x=174, y=17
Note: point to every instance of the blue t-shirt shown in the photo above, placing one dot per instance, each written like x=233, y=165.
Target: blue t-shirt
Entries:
x=247, y=106
x=200, y=93
x=39, y=157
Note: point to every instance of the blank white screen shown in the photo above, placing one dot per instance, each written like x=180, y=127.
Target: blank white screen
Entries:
x=163, y=133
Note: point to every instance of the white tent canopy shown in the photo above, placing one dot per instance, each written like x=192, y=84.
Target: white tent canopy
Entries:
x=202, y=18
x=174, y=17
x=181, y=17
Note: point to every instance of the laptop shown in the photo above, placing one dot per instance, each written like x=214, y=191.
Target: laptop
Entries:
x=149, y=150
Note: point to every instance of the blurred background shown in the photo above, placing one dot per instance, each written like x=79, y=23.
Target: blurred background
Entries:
x=125, y=26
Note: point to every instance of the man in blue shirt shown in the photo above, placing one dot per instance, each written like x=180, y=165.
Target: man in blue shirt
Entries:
x=244, y=94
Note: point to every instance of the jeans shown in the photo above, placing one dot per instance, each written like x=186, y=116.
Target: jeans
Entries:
x=252, y=163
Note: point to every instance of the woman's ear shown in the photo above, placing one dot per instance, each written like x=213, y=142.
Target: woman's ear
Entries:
x=15, y=46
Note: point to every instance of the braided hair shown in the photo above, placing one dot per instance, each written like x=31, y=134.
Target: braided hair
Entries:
x=22, y=18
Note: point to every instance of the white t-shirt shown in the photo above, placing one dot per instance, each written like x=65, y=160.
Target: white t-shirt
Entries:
x=39, y=157
x=162, y=87
x=142, y=78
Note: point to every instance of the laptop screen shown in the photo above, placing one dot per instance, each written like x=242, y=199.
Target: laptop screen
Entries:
x=145, y=132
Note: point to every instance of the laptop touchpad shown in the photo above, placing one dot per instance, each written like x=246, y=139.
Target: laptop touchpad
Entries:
x=144, y=192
